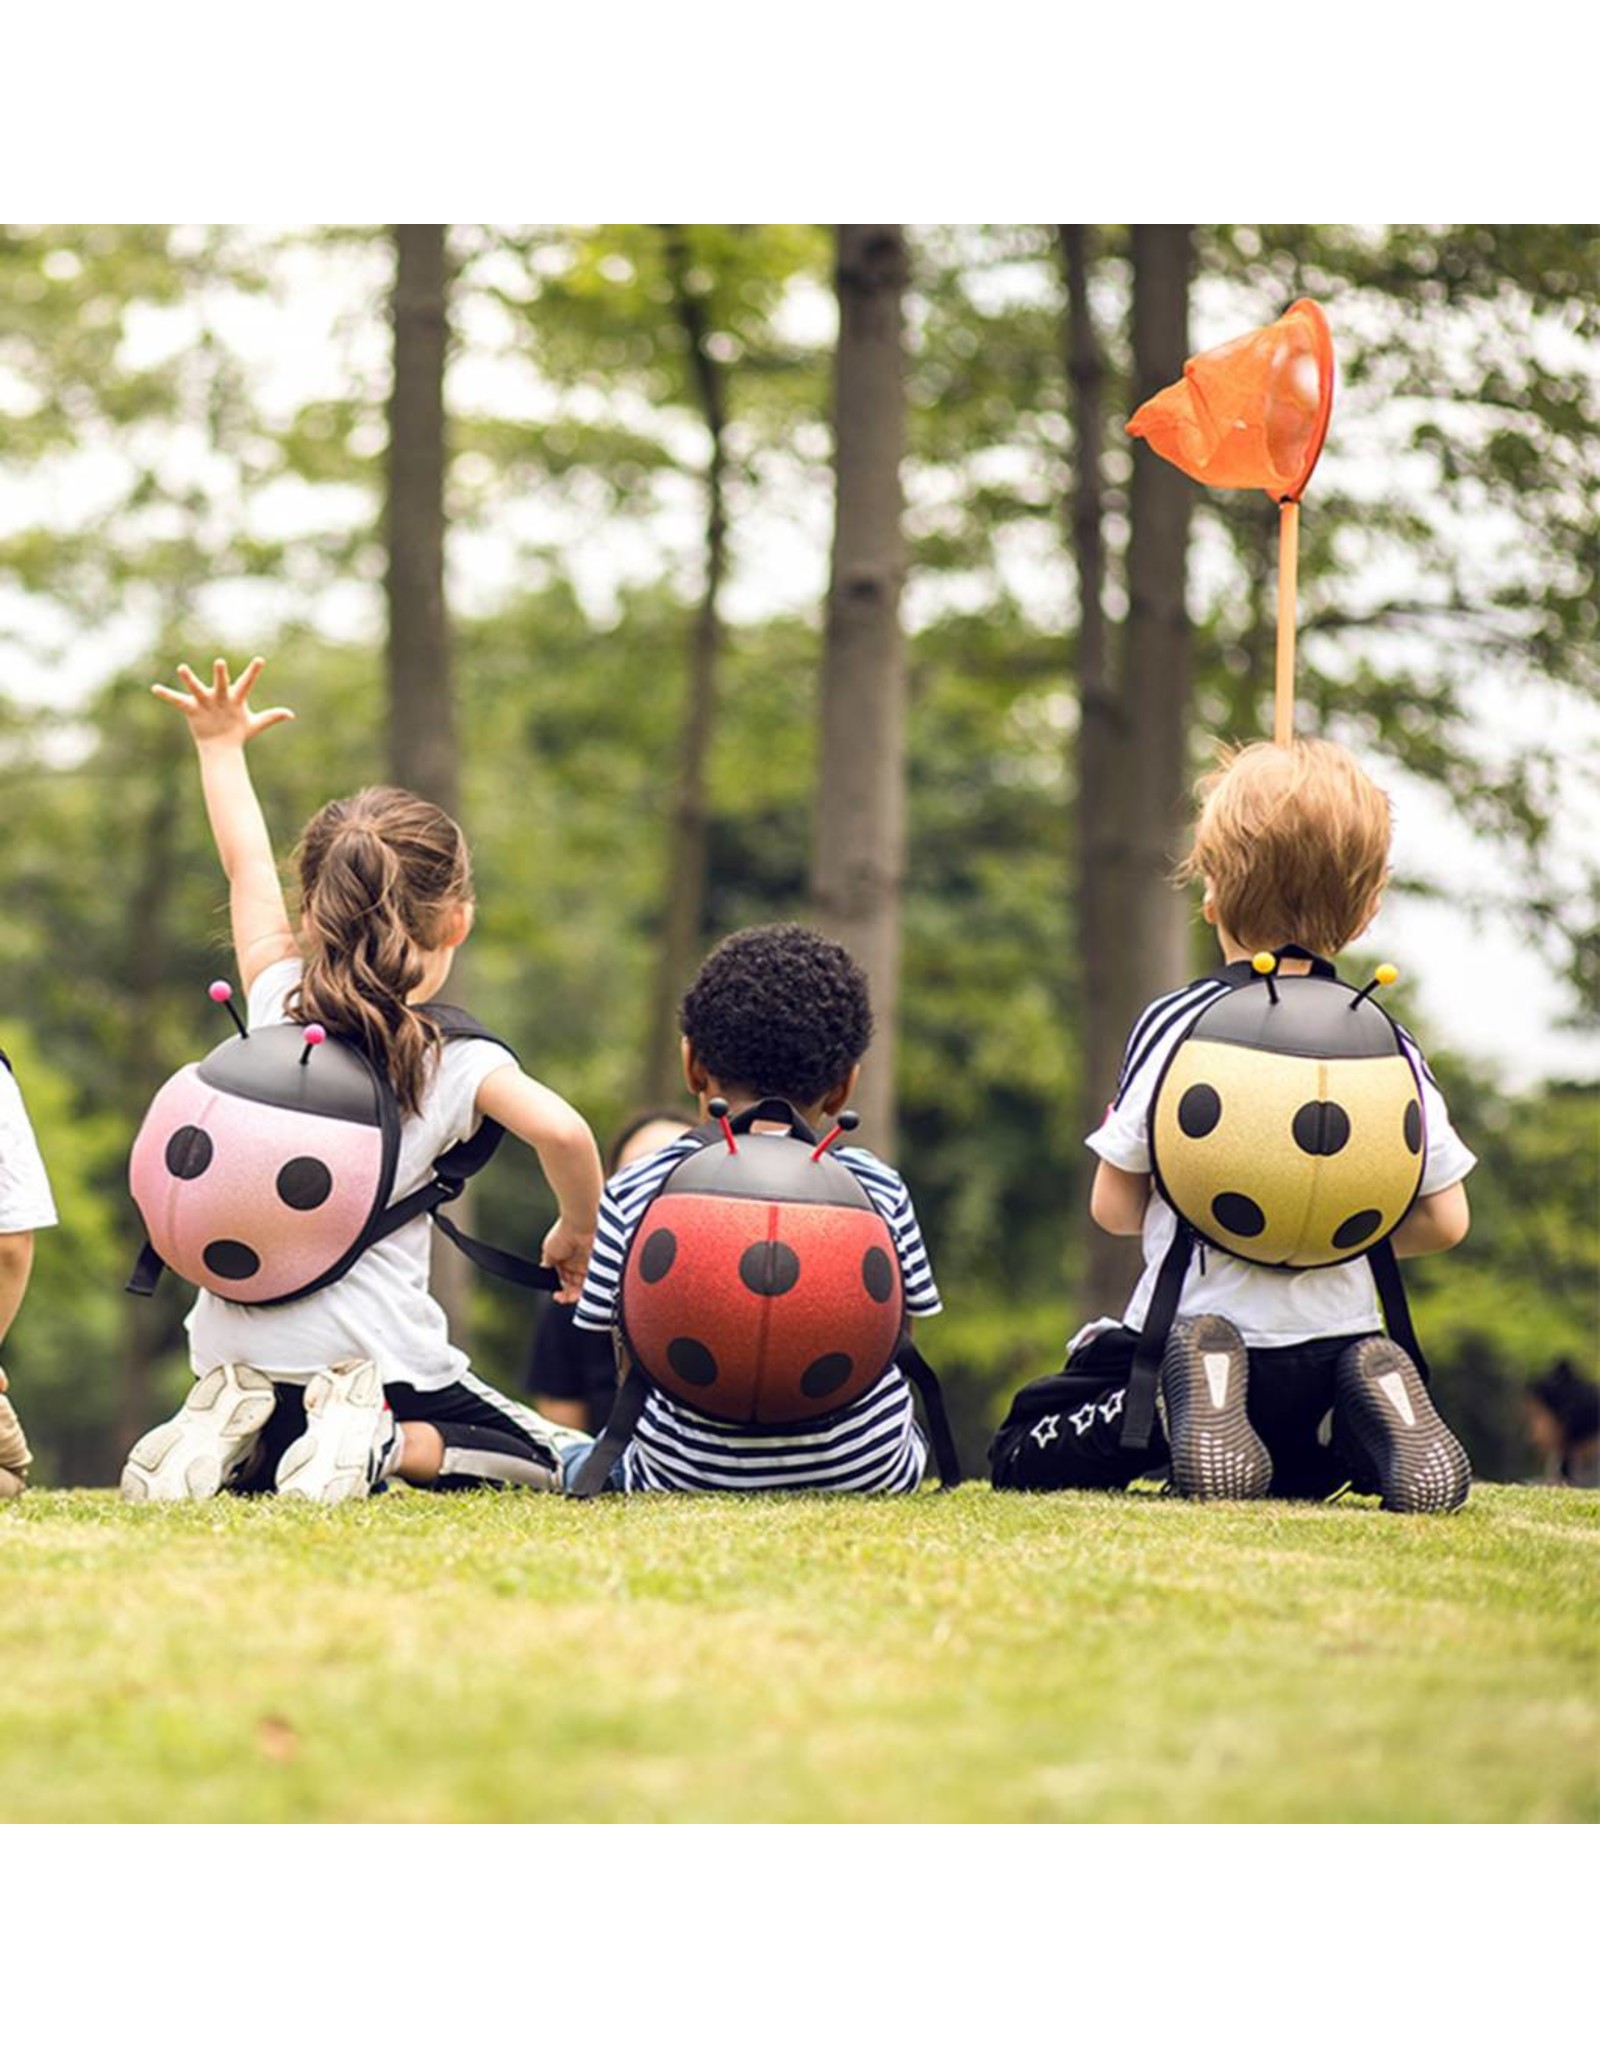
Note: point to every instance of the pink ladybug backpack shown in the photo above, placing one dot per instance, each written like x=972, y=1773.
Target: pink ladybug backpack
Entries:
x=265, y=1170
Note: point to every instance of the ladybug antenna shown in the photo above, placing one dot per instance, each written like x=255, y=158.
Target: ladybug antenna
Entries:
x=1266, y=965
x=1387, y=975
x=719, y=1109
x=313, y=1035
x=222, y=992
x=847, y=1121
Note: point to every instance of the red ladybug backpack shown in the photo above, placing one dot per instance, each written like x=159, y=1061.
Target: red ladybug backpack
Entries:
x=762, y=1287
x=265, y=1170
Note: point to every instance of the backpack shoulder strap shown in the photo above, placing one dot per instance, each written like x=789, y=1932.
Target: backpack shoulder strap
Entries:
x=455, y=1166
x=946, y=1459
x=1138, y=1415
x=1385, y=1264
x=614, y=1439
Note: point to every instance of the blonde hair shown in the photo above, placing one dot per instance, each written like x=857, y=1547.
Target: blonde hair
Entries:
x=380, y=874
x=1293, y=842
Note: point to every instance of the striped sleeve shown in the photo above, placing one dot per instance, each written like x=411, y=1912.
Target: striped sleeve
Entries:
x=1123, y=1139
x=892, y=1200
x=627, y=1195
x=1446, y=1160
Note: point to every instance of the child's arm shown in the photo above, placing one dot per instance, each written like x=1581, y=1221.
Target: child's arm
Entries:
x=16, y=1263
x=221, y=722
x=1436, y=1222
x=570, y=1159
x=1118, y=1200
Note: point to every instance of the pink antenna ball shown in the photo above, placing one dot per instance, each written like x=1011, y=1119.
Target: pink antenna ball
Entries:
x=220, y=991
x=314, y=1034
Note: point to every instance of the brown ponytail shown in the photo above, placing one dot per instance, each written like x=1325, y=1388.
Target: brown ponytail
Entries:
x=380, y=874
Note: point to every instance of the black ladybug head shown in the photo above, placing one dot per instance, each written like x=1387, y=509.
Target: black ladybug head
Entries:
x=272, y=1066
x=1316, y=1021
x=769, y=1168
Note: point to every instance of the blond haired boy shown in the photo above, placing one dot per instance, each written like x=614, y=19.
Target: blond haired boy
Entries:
x=1272, y=1380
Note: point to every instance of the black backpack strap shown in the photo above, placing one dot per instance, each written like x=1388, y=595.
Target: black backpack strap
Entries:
x=946, y=1459
x=1396, y=1309
x=454, y=1168
x=504, y=1265
x=1139, y=1414
x=148, y=1268
x=614, y=1439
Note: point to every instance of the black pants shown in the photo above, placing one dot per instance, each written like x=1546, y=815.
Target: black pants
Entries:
x=1067, y=1430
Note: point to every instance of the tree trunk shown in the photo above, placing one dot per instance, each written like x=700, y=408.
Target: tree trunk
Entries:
x=1133, y=723
x=688, y=856
x=1104, y=883
x=858, y=859
x=422, y=734
x=1159, y=680
x=423, y=751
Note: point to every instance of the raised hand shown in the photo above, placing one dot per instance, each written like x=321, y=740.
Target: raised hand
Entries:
x=221, y=716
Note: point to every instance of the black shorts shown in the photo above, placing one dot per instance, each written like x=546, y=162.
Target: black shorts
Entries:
x=1067, y=1430
x=467, y=1400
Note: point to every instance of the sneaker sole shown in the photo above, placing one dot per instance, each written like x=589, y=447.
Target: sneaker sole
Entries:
x=1400, y=1441
x=194, y=1455
x=329, y=1463
x=1216, y=1454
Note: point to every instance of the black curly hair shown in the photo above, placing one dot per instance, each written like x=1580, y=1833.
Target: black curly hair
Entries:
x=780, y=1010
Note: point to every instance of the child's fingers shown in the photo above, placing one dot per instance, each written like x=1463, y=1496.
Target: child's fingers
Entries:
x=188, y=676
x=219, y=674
x=273, y=717
x=246, y=682
x=178, y=697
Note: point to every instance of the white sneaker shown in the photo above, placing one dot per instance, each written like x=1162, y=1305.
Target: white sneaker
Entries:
x=194, y=1455
x=347, y=1424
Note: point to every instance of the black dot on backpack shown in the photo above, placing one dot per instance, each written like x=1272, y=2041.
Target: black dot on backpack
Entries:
x=825, y=1375
x=656, y=1255
x=1238, y=1214
x=189, y=1153
x=877, y=1275
x=1321, y=1128
x=1199, y=1110
x=1355, y=1228
x=230, y=1260
x=304, y=1184
x=1413, y=1128
x=769, y=1268
x=692, y=1362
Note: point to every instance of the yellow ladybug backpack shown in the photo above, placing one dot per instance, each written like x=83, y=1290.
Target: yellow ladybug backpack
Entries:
x=1286, y=1129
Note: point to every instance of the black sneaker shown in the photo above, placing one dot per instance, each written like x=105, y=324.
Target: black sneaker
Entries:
x=1390, y=1434
x=1216, y=1455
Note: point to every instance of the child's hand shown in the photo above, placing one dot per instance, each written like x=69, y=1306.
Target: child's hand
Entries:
x=220, y=716
x=568, y=1251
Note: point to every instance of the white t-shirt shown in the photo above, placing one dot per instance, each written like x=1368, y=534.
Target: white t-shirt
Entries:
x=1268, y=1306
x=382, y=1308
x=25, y=1199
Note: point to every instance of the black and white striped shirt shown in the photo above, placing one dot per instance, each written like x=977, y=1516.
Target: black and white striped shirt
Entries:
x=873, y=1446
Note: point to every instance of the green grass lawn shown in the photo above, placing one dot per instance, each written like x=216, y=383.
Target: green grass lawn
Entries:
x=976, y=1657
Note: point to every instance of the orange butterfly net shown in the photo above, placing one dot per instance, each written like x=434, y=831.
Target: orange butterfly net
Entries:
x=1252, y=413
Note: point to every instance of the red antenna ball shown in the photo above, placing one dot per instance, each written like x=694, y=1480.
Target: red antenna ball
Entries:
x=220, y=991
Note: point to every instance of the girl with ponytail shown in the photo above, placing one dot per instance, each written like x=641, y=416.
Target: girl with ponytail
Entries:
x=329, y=1394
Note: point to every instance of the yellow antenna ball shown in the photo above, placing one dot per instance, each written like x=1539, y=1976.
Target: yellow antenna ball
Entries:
x=1388, y=973
x=1264, y=963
